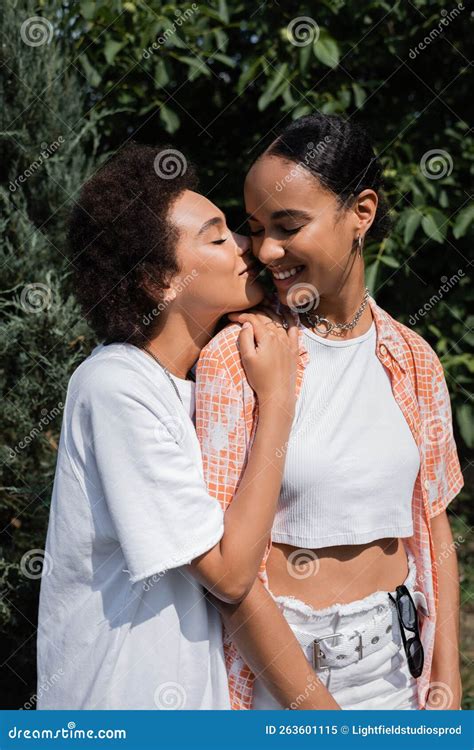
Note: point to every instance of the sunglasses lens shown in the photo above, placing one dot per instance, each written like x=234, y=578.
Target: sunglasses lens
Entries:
x=415, y=656
x=407, y=612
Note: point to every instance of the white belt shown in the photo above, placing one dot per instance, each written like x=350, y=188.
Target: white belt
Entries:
x=343, y=648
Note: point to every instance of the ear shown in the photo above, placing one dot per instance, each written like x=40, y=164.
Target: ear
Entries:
x=366, y=207
x=165, y=291
x=169, y=294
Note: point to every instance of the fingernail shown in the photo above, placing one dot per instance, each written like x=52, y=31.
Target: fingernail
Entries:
x=246, y=324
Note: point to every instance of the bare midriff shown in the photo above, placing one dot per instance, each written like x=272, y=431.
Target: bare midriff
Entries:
x=338, y=574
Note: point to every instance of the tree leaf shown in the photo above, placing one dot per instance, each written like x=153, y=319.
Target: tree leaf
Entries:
x=197, y=67
x=223, y=11
x=92, y=75
x=411, y=225
x=389, y=260
x=371, y=275
x=161, y=74
x=304, y=57
x=359, y=95
x=225, y=59
x=112, y=47
x=169, y=118
x=326, y=49
x=275, y=86
x=435, y=225
x=463, y=220
x=465, y=418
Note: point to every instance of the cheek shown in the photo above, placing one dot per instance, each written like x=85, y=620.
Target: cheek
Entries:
x=323, y=240
x=216, y=263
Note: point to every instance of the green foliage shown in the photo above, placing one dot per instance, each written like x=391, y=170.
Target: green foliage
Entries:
x=48, y=148
x=219, y=78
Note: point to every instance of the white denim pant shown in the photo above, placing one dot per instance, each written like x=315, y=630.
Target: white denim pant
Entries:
x=380, y=680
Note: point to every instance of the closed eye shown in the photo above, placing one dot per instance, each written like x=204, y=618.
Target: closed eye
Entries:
x=219, y=242
x=292, y=231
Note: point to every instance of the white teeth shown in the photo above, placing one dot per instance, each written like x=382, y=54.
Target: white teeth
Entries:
x=286, y=274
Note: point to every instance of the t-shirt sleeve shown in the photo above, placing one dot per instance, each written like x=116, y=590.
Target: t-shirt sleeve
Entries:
x=443, y=472
x=150, y=477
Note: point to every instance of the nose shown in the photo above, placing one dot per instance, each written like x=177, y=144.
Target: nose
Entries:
x=269, y=251
x=242, y=242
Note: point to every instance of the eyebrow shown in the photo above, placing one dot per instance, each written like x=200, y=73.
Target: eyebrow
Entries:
x=290, y=213
x=216, y=221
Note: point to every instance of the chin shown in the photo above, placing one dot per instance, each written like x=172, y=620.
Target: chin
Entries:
x=253, y=295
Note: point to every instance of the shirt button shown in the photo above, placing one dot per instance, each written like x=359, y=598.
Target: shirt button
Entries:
x=383, y=349
x=426, y=484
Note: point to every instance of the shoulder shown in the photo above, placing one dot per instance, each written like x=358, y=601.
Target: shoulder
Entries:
x=114, y=373
x=417, y=353
x=221, y=355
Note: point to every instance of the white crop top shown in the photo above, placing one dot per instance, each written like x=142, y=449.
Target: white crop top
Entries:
x=351, y=459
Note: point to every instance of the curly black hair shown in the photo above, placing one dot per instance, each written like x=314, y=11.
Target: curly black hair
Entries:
x=122, y=242
x=340, y=155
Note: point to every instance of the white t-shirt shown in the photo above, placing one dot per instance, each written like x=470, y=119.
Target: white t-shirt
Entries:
x=122, y=624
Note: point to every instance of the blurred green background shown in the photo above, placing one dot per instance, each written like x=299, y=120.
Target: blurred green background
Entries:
x=217, y=80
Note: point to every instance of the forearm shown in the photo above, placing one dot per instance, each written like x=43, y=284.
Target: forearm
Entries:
x=249, y=518
x=446, y=648
x=271, y=650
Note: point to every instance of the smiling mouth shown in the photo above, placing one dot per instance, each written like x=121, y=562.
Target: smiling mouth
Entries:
x=286, y=273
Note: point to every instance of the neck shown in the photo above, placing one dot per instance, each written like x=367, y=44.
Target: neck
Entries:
x=179, y=341
x=341, y=307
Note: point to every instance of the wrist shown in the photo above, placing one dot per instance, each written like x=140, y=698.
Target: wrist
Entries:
x=278, y=413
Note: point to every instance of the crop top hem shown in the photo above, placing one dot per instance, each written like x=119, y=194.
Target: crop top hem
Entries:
x=348, y=538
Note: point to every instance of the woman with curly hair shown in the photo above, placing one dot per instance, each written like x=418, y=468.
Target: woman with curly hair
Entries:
x=134, y=536
x=354, y=560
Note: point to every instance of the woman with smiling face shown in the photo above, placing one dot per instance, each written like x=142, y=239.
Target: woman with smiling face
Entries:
x=366, y=481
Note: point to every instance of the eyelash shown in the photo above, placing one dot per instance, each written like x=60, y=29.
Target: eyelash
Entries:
x=220, y=242
x=286, y=231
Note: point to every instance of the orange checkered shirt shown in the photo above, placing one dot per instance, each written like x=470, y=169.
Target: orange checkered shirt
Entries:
x=226, y=420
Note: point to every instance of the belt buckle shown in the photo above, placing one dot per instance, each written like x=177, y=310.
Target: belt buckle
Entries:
x=317, y=653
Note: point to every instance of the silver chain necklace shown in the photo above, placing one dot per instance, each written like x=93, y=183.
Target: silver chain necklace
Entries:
x=317, y=320
x=166, y=371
